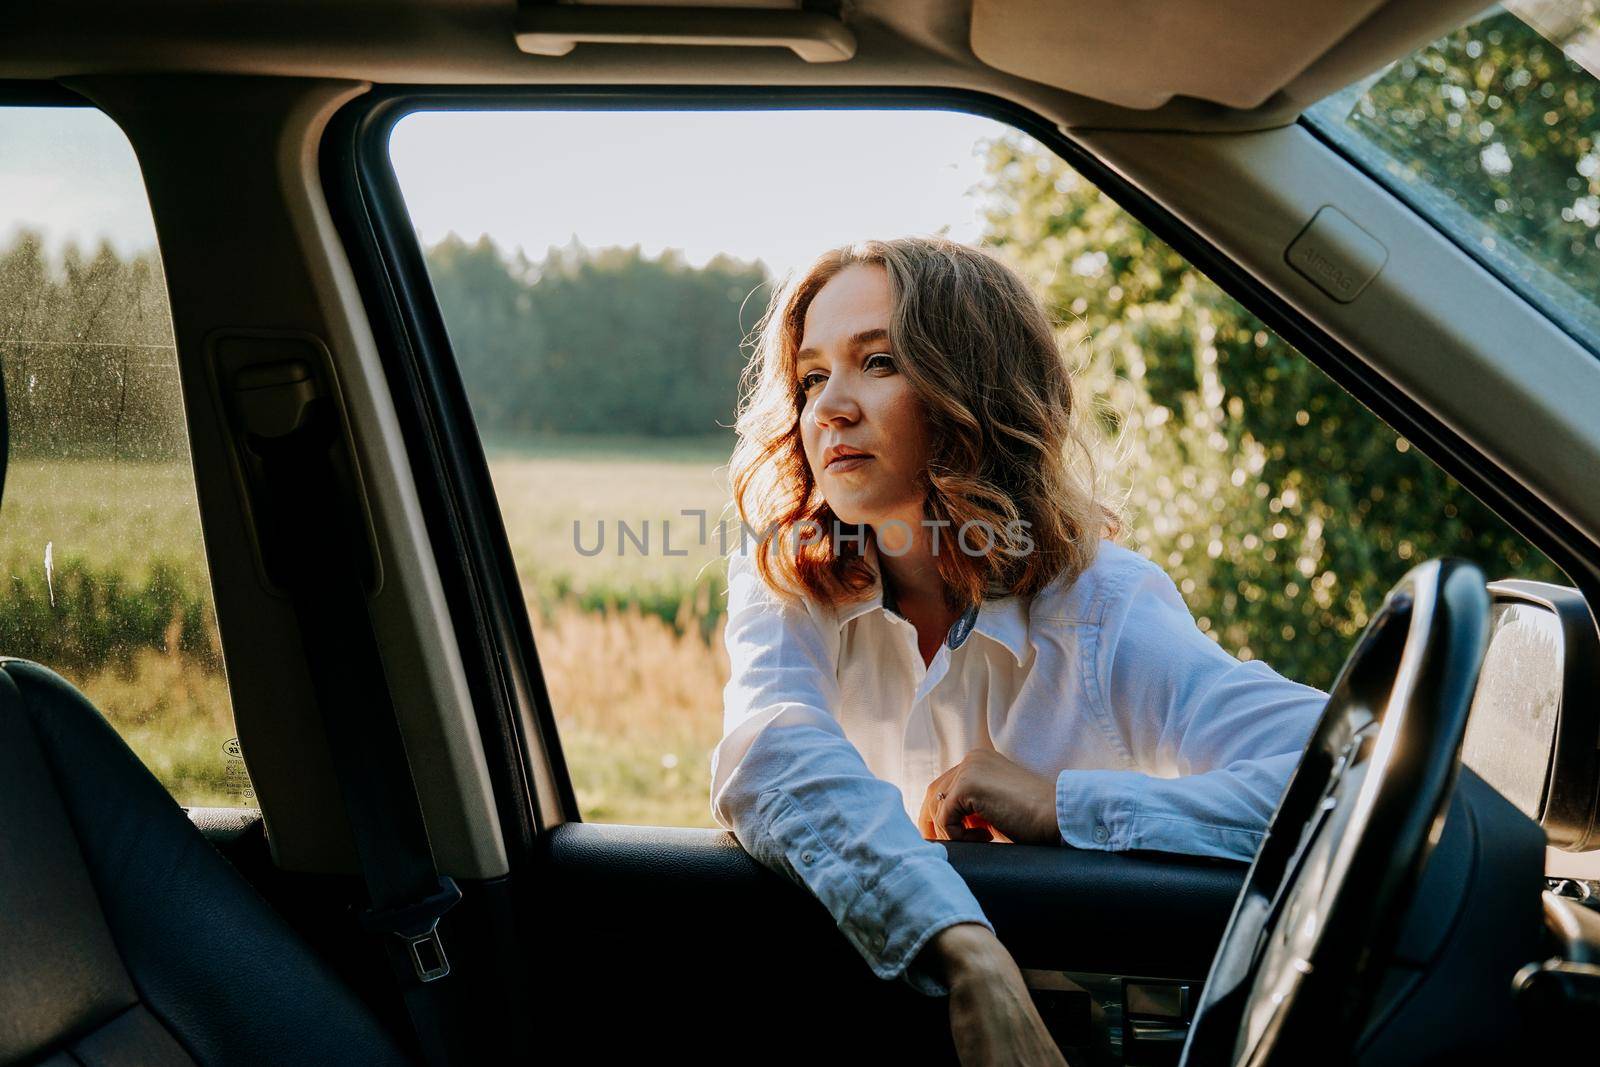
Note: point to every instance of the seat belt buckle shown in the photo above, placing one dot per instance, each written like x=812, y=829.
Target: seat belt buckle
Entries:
x=428, y=960
x=417, y=925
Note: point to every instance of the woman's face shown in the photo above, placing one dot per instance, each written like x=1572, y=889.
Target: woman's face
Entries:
x=854, y=395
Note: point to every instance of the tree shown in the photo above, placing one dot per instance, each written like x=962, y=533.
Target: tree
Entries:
x=1282, y=508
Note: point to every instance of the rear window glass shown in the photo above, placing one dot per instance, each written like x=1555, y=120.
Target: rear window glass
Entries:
x=105, y=570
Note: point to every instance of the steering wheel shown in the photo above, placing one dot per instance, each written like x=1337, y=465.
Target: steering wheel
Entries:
x=1321, y=906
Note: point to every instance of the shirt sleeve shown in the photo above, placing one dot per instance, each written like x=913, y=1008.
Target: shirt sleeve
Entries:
x=1213, y=740
x=801, y=800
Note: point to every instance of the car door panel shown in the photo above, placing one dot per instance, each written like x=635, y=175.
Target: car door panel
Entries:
x=682, y=925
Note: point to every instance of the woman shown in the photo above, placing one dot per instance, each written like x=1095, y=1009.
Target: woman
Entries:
x=932, y=636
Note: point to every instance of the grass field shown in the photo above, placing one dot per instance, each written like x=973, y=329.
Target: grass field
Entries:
x=565, y=513
x=118, y=517
x=630, y=641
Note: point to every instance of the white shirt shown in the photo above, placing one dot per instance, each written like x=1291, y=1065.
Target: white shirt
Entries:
x=833, y=728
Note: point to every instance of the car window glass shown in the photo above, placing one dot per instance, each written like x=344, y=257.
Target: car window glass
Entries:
x=1493, y=131
x=597, y=273
x=105, y=571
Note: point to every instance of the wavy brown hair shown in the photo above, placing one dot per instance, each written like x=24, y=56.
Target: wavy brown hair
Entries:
x=979, y=350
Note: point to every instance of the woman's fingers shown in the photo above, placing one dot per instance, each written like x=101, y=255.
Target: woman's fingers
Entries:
x=927, y=818
x=953, y=804
x=925, y=815
x=951, y=814
x=950, y=810
x=986, y=786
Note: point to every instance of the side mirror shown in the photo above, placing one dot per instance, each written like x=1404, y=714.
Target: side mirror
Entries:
x=1534, y=730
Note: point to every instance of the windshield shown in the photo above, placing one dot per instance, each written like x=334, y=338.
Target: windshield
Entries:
x=1492, y=132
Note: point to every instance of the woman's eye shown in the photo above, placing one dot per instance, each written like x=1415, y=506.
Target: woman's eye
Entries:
x=808, y=381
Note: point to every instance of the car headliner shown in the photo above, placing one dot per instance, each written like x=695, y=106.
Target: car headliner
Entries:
x=1168, y=64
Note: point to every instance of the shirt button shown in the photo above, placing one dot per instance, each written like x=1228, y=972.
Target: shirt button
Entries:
x=805, y=857
x=876, y=941
x=1101, y=834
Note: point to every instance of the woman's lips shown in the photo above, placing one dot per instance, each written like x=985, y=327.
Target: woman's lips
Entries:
x=847, y=463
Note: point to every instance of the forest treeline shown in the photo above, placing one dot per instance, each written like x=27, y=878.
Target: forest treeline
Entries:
x=86, y=345
x=586, y=341
x=596, y=341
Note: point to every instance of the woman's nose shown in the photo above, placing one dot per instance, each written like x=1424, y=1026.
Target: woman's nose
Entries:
x=835, y=401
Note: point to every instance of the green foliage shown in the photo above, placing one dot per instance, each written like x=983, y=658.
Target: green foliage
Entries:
x=680, y=602
x=590, y=341
x=83, y=618
x=1282, y=508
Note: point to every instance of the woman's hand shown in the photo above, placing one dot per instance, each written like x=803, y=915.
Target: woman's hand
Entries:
x=992, y=1016
x=986, y=797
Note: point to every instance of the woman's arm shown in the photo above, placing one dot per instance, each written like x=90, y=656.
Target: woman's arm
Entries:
x=801, y=800
x=1214, y=740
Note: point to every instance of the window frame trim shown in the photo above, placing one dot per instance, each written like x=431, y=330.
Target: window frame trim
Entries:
x=1416, y=202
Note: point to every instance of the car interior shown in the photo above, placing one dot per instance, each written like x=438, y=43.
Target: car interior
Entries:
x=414, y=881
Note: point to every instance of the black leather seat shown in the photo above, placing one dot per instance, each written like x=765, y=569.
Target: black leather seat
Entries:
x=126, y=938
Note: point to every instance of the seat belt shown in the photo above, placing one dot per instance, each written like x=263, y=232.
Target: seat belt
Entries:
x=314, y=539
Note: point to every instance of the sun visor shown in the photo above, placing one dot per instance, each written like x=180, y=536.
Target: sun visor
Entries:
x=1239, y=54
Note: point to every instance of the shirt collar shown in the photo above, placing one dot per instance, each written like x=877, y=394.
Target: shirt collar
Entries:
x=1000, y=619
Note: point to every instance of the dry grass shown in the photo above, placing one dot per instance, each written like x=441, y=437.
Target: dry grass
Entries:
x=177, y=717
x=121, y=519
x=638, y=698
x=639, y=708
x=638, y=705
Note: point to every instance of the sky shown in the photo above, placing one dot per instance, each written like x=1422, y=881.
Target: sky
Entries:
x=778, y=186
x=70, y=173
